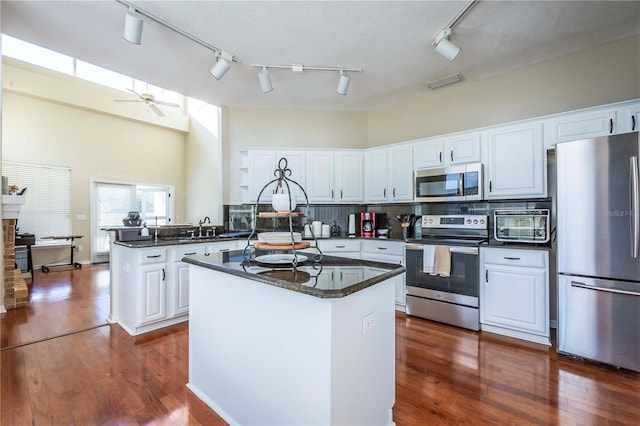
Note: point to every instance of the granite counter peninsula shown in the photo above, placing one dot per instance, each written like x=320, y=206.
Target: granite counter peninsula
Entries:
x=268, y=346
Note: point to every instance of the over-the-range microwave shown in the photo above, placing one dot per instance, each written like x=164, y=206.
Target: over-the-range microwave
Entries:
x=453, y=183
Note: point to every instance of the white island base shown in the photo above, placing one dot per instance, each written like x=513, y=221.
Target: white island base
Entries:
x=264, y=355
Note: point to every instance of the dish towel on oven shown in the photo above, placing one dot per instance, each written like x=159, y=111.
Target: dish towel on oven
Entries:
x=442, y=261
x=428, y=259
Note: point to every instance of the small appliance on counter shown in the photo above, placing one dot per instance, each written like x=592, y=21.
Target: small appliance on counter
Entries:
x=132, y=219
x=367, y=225
x=522, y=226
x=351, y=221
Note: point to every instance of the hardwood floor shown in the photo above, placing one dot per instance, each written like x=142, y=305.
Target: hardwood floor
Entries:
x=444, y=375
x=60, y=302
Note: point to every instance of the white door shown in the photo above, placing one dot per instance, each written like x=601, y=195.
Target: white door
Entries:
x=154, y=305
x=349, y=177
x=402, y=173
x=377, y=174
x=320, y=177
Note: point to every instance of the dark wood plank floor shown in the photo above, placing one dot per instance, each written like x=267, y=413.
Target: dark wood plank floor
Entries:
x=444, y=375
x=62, y=301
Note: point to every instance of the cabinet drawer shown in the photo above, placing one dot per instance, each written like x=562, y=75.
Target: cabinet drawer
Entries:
x=393, y=248
x=339, y=246
x=515, y=257
x=153, y=256
x=176, y=254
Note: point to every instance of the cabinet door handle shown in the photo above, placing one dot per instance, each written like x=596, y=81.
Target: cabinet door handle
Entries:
x=610, y=125
x=511, y=258
x=164, y=274
x=451, y=155
x=332, y=194
x=341, y=194
x=223, y=250
x=384, y=193
x=340, y=246
x=394, y=193
x=382, y=248
x=633, y=123
x=154, y=256
x=490, y=187
x=190, y=253
x=441, y=156
x=486, y=275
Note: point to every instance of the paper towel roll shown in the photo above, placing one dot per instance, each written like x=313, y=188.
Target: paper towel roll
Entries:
x=352, y=224
x=316, y=226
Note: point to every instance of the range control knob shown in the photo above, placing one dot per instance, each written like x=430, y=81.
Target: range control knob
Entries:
x=475, y=221
x=468, y=221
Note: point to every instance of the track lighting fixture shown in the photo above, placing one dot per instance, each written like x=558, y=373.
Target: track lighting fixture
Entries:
x=133, y=26
x=343, y=83
x=265, y=80
x=222, y=64
x=444, y=47
x=441, y=41
x=133, y=33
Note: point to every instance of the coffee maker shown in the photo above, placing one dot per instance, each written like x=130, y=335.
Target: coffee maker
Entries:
x=367, y=225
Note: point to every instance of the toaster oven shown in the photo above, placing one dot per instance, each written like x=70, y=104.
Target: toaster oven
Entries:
x=522, y=226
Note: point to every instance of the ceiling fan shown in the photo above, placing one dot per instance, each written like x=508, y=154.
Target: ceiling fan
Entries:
x=149, y=100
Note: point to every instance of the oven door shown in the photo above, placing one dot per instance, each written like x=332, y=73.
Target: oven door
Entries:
x=440, y=184
x=461, y=287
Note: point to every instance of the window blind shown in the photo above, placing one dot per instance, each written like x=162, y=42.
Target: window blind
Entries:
x=47, y=208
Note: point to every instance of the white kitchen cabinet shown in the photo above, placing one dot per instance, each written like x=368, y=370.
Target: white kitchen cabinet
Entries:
x=341, y=248
x=514, y=293
x=516, y=162
x=377, y=250
x=261, y=165
x=153, y=294
x=628, y=118
x=450, y=150
x=389, y=174
x=580, y=125
x=335, y=177
x=178, y=279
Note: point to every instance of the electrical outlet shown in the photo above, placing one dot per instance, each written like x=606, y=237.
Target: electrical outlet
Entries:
x=368, y=322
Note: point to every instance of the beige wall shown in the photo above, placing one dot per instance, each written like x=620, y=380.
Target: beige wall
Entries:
x=597, y=76
x=253, y=128
x=95, y=146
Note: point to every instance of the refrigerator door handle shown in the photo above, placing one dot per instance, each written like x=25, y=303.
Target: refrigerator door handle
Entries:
x=608, y=290
x=635, y=208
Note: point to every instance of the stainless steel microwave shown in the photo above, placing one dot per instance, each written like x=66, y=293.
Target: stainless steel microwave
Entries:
x=454, y=183
x=521, y=226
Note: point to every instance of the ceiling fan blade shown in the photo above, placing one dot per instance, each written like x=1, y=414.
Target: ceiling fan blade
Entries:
x=171, y=104
x=134, y=92
x=127, y=100
x=156, y=110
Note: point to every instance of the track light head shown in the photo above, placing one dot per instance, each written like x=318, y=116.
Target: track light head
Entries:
x=222, y=64
x=443, y=46
x=343, y=83
x=265, y=80
x=133, y=26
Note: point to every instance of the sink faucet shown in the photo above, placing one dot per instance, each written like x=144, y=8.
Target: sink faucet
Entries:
x=205, y=220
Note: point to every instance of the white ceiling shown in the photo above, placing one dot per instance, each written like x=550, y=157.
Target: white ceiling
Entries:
x=389, y=40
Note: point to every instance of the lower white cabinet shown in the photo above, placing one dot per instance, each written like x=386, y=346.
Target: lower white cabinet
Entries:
x=154, y=295
x=514, y=293
x=388, y=252
x=341, y=248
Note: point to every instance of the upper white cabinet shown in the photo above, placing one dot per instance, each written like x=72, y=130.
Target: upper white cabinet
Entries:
x=516, y=159
x=437, y=152
x=389, y=174
x=628, y=117
x=582, y=125
x=335, y=176
x=261, y=166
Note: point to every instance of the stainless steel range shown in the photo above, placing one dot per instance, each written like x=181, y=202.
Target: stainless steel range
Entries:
x=442, y=269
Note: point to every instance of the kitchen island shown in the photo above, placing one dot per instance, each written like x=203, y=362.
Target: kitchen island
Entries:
x=274, y=346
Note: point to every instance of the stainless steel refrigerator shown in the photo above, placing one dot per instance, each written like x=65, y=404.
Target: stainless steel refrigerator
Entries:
x=598, y=203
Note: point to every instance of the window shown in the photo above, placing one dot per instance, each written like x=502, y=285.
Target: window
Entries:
x=113, y=201
x=47, y=208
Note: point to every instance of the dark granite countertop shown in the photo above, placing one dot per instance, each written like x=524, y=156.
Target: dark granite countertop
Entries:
x=161, y=242
x=333, y=277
